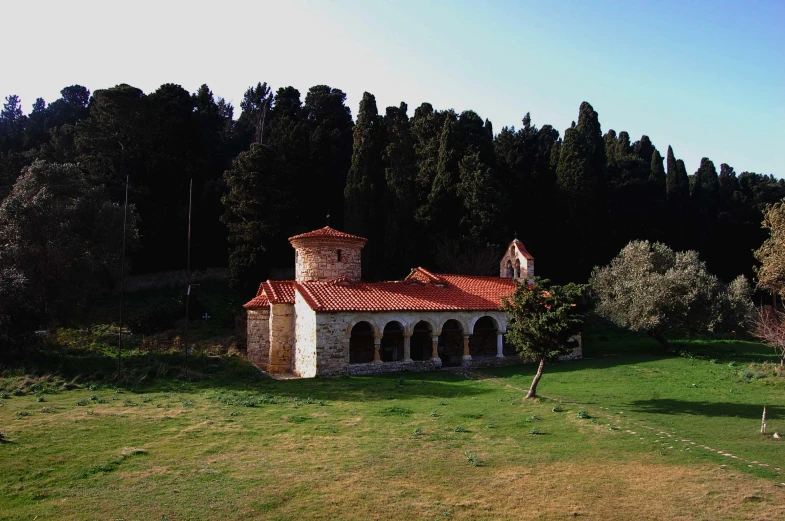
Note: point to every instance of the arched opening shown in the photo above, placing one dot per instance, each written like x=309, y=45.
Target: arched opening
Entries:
x=420, y=345
x=482, y=343
x=392, y=342
x=451, y=344
x=517, y=268
x=361, y=344
x=510, y=271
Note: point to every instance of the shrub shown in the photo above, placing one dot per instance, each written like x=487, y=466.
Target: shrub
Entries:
x=472, y=458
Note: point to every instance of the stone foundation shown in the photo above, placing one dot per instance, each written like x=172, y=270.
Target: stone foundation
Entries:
x=390, y=367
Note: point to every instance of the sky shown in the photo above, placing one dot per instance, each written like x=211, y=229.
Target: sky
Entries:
x=706, y=77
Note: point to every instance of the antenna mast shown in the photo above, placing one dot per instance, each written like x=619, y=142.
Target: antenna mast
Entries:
x=188, y=274
x=122, y=279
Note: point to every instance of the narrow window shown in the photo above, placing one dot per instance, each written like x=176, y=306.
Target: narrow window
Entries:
x=339, y=255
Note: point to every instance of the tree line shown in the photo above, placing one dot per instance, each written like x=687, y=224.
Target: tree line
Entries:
x=434, y=187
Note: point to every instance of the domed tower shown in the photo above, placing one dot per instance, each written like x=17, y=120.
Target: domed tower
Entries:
x=327, y=254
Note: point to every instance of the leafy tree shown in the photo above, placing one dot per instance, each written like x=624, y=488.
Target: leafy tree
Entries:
x=544, y=322
x=60, y=239
x=255, y=106
x=252, y=209
x=771, y=254
x=650, y=288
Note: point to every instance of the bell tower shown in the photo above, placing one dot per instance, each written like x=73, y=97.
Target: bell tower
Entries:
x=517, y=263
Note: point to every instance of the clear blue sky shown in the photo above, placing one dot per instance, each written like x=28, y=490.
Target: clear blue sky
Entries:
x=706, y=77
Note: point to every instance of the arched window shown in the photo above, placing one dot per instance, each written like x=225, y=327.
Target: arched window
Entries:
x=339, y=255
x=517, y=268
x=510, y=272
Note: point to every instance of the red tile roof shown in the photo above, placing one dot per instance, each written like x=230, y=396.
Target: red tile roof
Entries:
x=279, y=291
x=327, y=232
x=275, y=291
x=447, y=292
x=420, y=291
x=518, y=244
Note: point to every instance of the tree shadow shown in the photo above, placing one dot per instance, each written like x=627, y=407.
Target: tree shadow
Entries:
x=713, y=409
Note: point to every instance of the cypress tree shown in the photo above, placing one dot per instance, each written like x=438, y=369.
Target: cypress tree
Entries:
x=677, y=182
x=399, y=198
x=657, y=172
x=706, y=185
x=365, y=182
x=443, y=208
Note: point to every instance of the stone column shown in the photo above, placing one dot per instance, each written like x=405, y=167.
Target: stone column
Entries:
x=466, y=355
x=435, y=354
x=377, y=351
x=499, y=344
x=407, y=347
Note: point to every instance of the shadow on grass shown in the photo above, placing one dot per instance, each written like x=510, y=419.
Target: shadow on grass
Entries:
x=716, y=409
x=163, y=372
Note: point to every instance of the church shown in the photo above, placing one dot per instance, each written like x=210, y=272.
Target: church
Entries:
x=328, y=322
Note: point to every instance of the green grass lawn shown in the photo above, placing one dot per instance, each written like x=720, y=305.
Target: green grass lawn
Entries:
x=623, y=434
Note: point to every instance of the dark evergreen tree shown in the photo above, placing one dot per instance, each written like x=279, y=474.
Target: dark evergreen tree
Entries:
x=401, y=237
x=363, y=214
x=253, y=205
x=330, y=149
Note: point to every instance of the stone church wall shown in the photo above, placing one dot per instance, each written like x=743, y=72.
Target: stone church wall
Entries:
x=258, y=342
x=305, y=348
x=281, y=338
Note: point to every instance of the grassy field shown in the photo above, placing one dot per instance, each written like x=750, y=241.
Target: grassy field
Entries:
x=622, y=434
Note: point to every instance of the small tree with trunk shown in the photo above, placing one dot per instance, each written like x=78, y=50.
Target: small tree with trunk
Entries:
x=544, y=322
x=768, y=326
x=650, y=288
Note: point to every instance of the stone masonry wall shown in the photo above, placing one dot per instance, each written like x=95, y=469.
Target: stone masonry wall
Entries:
x=333, y=332
x=321, y=263
x=281, y=338
x=258, y=342
x=332, y=343
x=304, y=363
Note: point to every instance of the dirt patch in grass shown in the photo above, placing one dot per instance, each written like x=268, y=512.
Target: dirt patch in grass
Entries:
x=604, y=491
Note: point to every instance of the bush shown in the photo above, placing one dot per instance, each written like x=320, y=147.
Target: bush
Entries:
x=158, y=318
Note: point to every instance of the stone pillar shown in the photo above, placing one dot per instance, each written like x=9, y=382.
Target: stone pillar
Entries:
x=435, y=354
x=377, y=347
x=407, y=347
x=466, y=355
x=499, y=344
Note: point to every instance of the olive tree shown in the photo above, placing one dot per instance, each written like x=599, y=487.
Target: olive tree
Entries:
x=544, y=322
x=771, y=254
x=650, y=288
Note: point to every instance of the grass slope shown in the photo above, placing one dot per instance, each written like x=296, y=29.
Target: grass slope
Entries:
x=440, y=445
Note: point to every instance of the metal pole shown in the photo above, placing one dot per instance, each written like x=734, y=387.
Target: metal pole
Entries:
x=188, y=273
x=122, y=280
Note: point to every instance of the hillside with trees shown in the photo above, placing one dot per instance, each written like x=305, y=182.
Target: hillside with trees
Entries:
x=432, y=186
